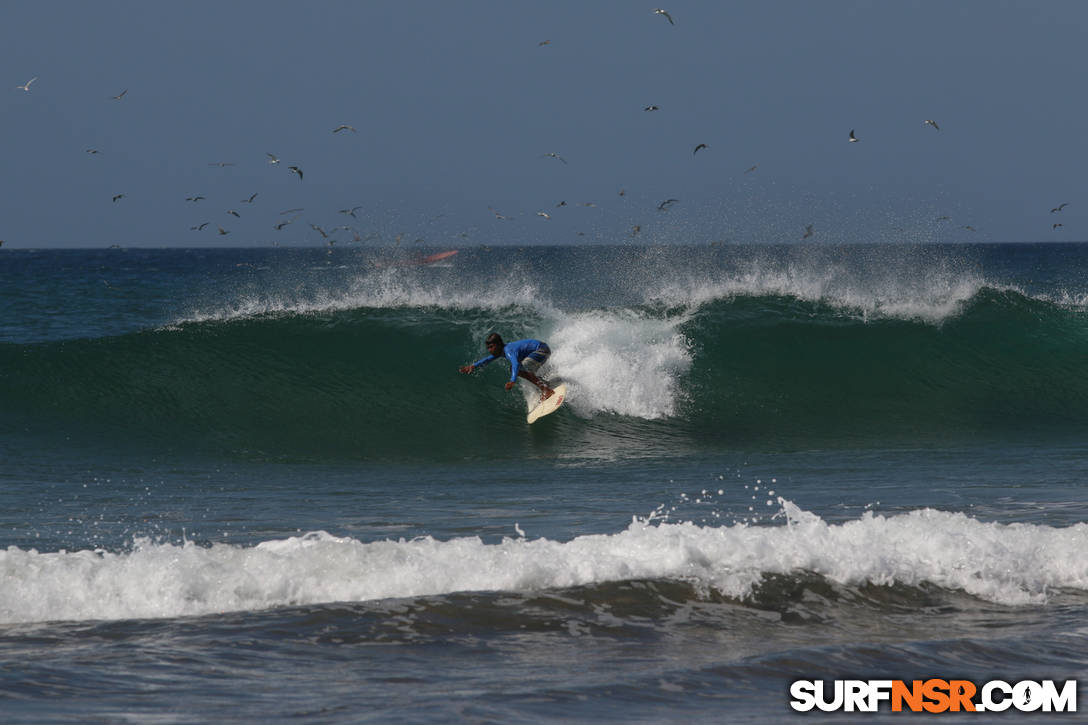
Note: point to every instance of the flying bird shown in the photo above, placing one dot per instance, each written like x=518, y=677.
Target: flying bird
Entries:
x=199, y=227
x=26, y=86
x=251, y=198
x=1056, y=226
x=651, y=108
x=554, y=155
x=120, y=95
x=544, y=42
x=350, y=212
x=118, y=196
x=272, y=158
x=808, y=232
x=1059, y=207
x=697, y=148
x=544, y=214
x=222, y=230
x=853, y=138
x=659, y=11
x=221, y=164
x=750, y=169
x=664, y=206
x=296, y=170
x=281, y=225
x=92, y=151
x=931, y=122
x=497, y=214
x=194, y=198
x=234, y=213
x=344, y=127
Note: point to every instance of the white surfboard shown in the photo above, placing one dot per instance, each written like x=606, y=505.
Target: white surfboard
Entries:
x=549, y=405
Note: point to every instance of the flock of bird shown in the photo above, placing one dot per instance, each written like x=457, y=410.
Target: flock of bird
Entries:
x=294, y=214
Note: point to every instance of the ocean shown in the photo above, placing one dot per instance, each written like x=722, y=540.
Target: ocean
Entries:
x=250, y=485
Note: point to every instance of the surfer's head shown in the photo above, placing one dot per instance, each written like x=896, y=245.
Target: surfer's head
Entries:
x=494, y=343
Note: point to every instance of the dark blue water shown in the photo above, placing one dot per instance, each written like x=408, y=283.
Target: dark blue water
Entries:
x=250, y=485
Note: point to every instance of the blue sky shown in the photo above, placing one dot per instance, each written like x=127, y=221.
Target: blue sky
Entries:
x=456, y=107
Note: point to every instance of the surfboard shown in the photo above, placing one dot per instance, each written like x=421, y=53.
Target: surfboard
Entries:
x=550, y=405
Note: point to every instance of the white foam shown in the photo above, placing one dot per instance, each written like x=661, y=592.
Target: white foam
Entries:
x=932, y=297
x=620, y=361
x=393, y=288
x=1013, y=564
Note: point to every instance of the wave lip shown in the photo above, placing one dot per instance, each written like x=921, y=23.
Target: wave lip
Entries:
x=1013, y=565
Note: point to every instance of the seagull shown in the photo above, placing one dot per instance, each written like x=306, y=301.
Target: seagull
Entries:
x=251, y=198
x=222, y=230
x=853, y=138
x=118, y=196
x=544, y=214
x=234, y=213
x=944, y=218
x=319, y=230
x=697, y=148
x=1059, y=207
x=969, y=228
x=808, y=232
x=659, y=11
x=350, y=212
x=120, y=95
x=344, y=127
x=199, y=227
x=554, y=155
x=1057, y=226
x=931, y=122
x=664, y=206
x=92, y=151
x=297, y=170
x=281, y=225
x=751, y=169
x=635, y=230
x=497, y=215
x=26, y=86
x=272, y=158
x=194, y=198
x=221, y=164
x=543, y=42
x=651, y=108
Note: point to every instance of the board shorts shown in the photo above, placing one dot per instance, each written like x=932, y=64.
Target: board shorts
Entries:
x=535, y=359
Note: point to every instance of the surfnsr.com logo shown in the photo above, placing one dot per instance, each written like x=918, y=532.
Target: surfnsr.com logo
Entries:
x=933, y=695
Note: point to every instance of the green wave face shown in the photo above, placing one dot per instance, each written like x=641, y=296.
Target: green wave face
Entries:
x=739, y=370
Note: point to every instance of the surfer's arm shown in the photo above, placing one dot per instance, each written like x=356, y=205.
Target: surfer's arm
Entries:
x=478, y=364
x=515, y=366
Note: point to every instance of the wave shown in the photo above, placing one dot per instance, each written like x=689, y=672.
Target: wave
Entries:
x=364, y=376
x=907, y=554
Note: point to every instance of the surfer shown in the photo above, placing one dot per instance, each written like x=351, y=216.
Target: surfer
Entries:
x=525, y=356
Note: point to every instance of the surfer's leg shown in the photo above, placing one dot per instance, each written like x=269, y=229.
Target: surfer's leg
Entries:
x=531, y=364
x=532, y=378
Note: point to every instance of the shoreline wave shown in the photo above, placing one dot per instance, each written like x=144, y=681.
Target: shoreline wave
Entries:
x=906, y=555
